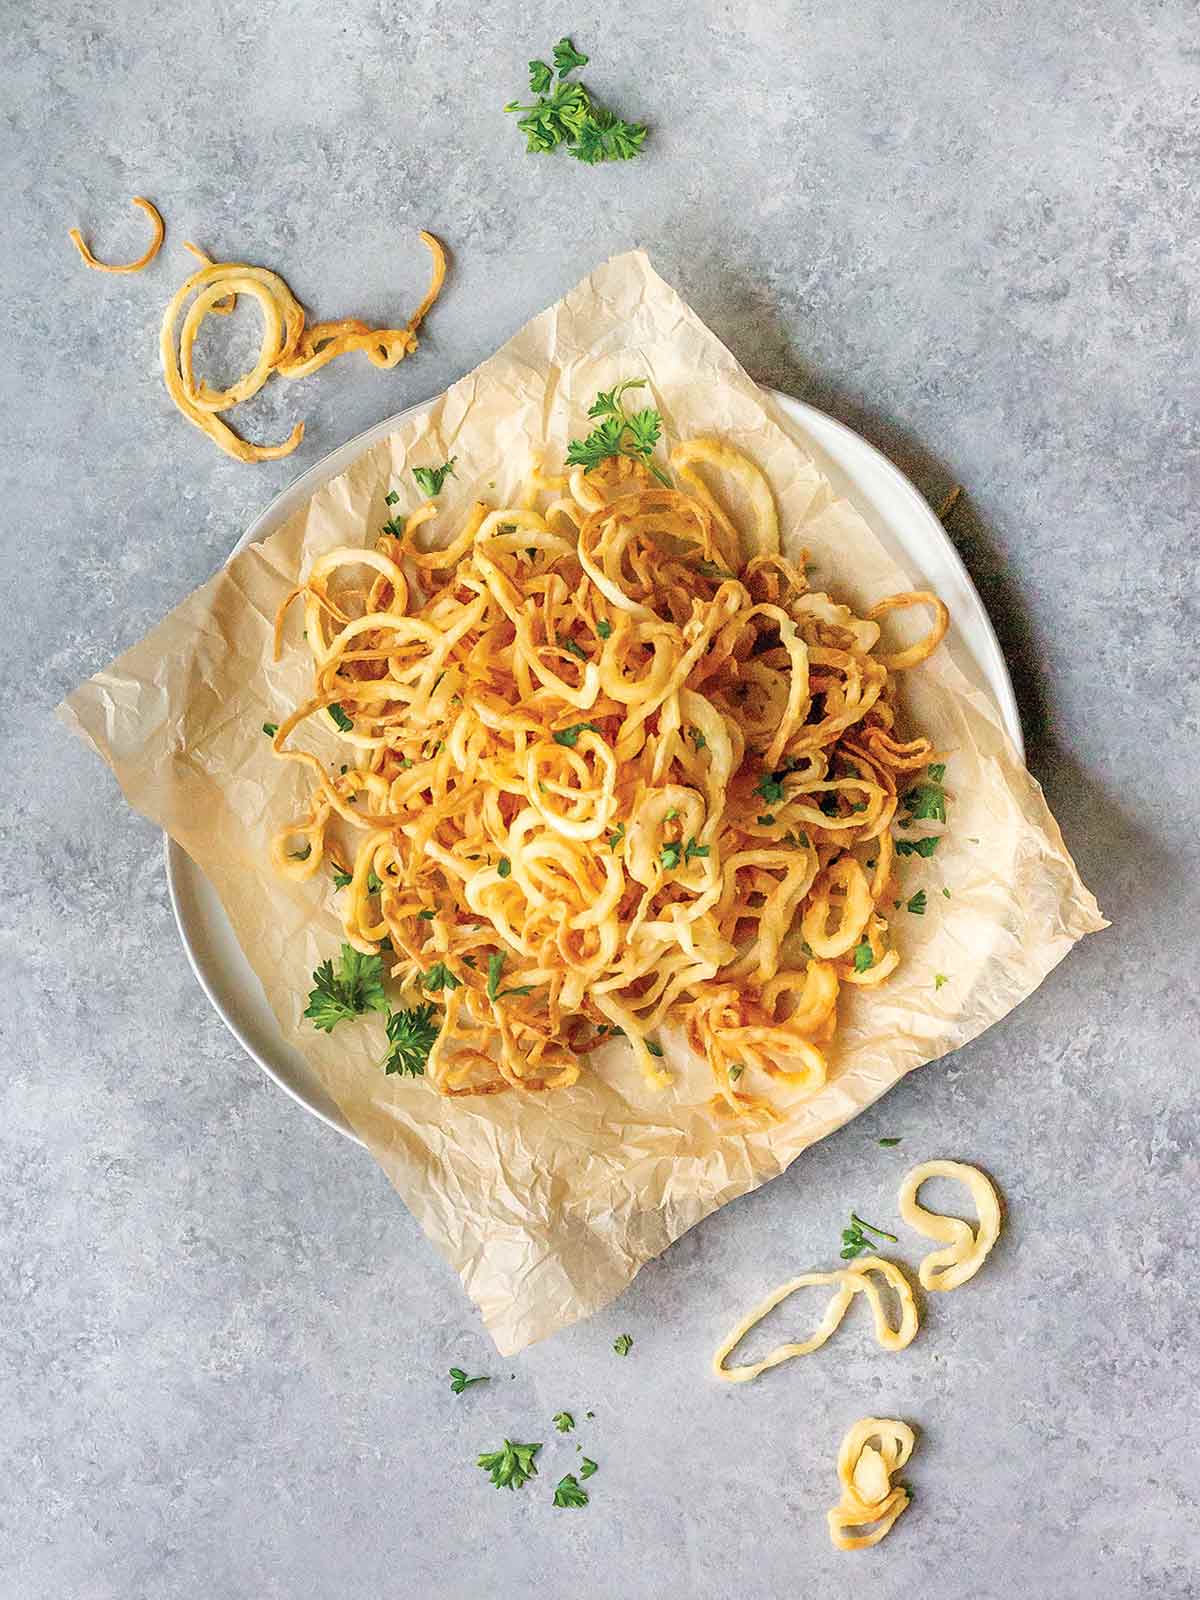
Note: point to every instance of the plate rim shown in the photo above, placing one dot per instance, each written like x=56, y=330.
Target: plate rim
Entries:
x=999, y=684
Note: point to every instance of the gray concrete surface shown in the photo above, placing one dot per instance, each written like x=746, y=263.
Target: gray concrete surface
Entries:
x=971, y=232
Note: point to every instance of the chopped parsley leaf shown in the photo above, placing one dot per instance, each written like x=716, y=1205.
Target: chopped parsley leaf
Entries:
x=568, y=1493
x=864, y=956
x=459, y=1380
x=917, y=904
x=440, y=977
x=504, y=866
x=431, y=479
x=564, y=1421
x=344, y=722
x=512, y=1466
x=939, y=978
x=623, y=1344
x=570, y=736
x=495, y=968
x=918, y=847
x=604, y=628
x=270, y=729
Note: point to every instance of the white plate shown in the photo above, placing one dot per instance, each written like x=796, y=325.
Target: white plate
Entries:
x=899, y=515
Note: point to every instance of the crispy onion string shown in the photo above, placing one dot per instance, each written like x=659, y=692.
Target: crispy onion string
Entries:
x=849, y=1281
x=606, y=764
x=872, y=1452
x=144, y=260
x=289, y=346
x=966, y=1247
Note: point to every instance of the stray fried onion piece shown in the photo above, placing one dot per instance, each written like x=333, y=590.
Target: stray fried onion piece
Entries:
x=606, y=764
x=872, y=1452
x=288, y=345
x=144, y=260
x=967, y=1248
x=850, y=1281
x=900, y=660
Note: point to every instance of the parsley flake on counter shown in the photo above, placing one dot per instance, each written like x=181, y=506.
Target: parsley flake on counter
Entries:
x=587, y=1466
x=411, y=1036
x=564, y=1421
x=916, y=904
x=888, y=1143
x=939, y=978
x=391, y=498
x=459, y=1380
x=512, y=1466
x=431, y=479
x=654, y=1049
x=355, y=988
x=623, y=1344
x=567, y=58
x=339, y=716
x=568, y=1493
x=540, y=77
x=270, y=729
x=946, y=892
x=395, y=526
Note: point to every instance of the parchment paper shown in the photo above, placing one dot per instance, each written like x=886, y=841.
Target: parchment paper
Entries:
x=547, y=1206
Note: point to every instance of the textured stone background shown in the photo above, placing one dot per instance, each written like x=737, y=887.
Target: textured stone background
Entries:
x=970, y=231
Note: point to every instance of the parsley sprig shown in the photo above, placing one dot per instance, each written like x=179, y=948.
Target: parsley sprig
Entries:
x=618, y=432
x=411, y=1036
x=565, y=114
x=855, y=1241
x=512, y=1466
x=354, y=989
